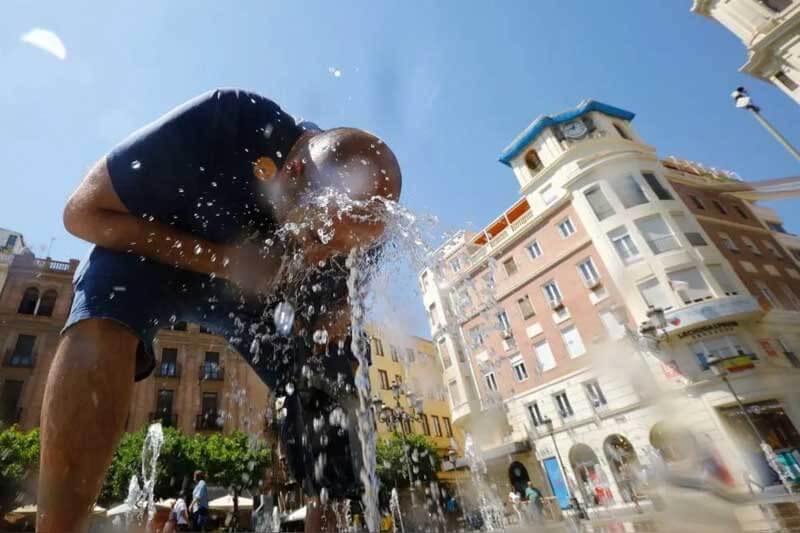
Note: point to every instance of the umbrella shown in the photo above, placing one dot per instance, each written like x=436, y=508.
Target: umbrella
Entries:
x=30, y=509
x=225, y=503
x=296, y=516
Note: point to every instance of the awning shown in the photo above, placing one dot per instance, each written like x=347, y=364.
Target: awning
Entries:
x=225, y=503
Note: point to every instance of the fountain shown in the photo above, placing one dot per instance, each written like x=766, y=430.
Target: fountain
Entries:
x=489, y=505
x=140, y=497
x=394, y=508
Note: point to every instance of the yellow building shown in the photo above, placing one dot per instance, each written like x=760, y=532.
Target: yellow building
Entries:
x=410, y=361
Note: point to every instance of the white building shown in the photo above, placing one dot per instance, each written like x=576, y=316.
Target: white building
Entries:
x=11, y=243
x=535, y=315
x=769, y=30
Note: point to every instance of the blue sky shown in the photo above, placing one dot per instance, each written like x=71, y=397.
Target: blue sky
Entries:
x=447, y=84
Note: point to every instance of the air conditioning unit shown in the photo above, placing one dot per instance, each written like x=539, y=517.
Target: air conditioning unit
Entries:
x=556, y=304
x=591, y=283
x=506, y=333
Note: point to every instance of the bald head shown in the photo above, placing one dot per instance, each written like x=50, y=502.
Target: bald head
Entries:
x=354, y=162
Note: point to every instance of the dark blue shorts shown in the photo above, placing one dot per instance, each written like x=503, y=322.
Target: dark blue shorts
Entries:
x=146, y=296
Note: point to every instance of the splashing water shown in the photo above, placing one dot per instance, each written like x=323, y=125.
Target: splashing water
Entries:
x=284, y=318
x=140, y=497
x=489, y=505
x=394, y=508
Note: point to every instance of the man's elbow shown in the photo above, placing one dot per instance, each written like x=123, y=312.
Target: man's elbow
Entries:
x=75, y=218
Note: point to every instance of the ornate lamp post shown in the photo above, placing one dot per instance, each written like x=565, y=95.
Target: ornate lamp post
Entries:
x=743, y=101
x=397, y=415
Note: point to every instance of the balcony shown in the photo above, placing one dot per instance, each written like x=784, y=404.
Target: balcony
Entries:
x=19, y=360
x=209, y=421
x=211, y=372
x=659, y=245
x=167, y=419
x=169, y=370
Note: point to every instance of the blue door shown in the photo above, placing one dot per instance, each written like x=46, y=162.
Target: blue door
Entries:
x=557, y=482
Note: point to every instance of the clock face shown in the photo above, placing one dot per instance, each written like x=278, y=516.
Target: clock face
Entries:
x=575, y=129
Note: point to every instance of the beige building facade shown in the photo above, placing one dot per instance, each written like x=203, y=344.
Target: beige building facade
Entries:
x=538, y=317
x=770, y=32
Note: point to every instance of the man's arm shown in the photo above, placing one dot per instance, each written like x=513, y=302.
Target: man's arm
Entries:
x=95, y=213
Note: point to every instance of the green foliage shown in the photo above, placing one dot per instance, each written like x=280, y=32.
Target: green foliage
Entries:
x=232, y=461
x=394, y=457
x=19, y=462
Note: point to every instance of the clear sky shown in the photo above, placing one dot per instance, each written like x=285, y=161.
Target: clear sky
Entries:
x=446, y=83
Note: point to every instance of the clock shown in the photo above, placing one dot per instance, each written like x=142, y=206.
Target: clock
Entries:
x=574, y=130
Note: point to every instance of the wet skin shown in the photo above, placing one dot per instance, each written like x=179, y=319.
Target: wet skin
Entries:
x=90, y=385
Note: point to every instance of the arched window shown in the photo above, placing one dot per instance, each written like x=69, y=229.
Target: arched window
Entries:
x=532, y=161
x=47, y=303
x=29, y=300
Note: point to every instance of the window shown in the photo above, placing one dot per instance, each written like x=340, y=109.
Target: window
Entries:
x=552, y=293
x=547, y=194
x=491, y=382
x=407, y=426
x=599, y=203
x=697, y=202
x=573, y=341
x=720, y=207
x=502, y=320
x=773, y=249
x=653, y=294
x=47, y=303
x=614, y=328
x=455, y=265
x=209, y=404
x=476, y=336
x=689, y=230
x=588, y=273
x=532, y=161
x=562, y=405
x=741, y=212
x=723, y=280
x=398, y=379
x=448, y=428
x=621, y=131
x=424, y=281
x=455, y=397
x=426, y=428
x=534, y=249
x=791, y=296
x=526, y=307
x=384, y=377
x=437, y=426
x=164, y=402
x=629, y=192
x=410, y=357
x=689, y=284
x=30, y=299
x=544, y=356
x=728, y=243
x=11, y=241
x=211, y=368
x=535, y=414
x=378, y=346
x=394, y=353
x=624, y=245
x=656, y=186
x=510, y=266
x=709, y=350
x=22, y=354
x=10, y=395
x=595, y=394
x=657, y=234
x=463, y=299
x=169, y=362
x=520, y=372
x=767, y=293
x=431, y=316
x=566, y=227
x=781, y=76
x=777, y=227
x=460, y=353
x=751, y=245
x=776, y=6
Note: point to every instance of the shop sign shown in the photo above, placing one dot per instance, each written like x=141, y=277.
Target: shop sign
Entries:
x=766, y=345
x=737, y=364
x=708, y=330
x=715, y=309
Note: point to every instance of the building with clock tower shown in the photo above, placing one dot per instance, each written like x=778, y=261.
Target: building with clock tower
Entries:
x=603, y=320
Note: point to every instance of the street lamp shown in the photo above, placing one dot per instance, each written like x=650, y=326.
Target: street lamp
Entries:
x=743, y=101
x=769, y=453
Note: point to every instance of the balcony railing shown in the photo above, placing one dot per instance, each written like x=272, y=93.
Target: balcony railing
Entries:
x=168, y=370
x=19, y=360
x=167, y=419
x=212, y=372
x=209, y=421
x=663, y=244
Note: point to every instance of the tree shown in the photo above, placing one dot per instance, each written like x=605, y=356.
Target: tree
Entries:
x=19, y=463
x=394, y=458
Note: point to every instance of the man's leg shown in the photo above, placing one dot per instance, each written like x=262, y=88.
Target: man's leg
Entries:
x=86, y=403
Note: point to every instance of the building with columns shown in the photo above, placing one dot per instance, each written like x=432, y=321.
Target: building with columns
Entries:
x=544, y=319
x=769, y=30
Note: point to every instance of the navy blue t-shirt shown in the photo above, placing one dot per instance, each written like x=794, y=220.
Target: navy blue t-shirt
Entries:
x=196, y=167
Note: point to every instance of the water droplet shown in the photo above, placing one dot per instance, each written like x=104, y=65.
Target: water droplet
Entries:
x=323, y=496
x=180, y=190
x=316, y=287
x=213, y=183
x=289, y=389
x=198, y=249
x=136, y=164
x=225, y=261
x=321, y=336
x=268, y=130
x=202, y=169
x=284, y=318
